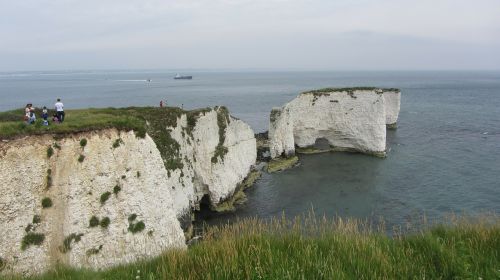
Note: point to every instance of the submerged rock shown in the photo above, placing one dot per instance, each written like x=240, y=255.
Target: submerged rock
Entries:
x=283, y=163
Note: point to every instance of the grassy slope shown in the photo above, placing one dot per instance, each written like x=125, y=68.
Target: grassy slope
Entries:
x=132, y=118
x=320, y=249
x=141, y=120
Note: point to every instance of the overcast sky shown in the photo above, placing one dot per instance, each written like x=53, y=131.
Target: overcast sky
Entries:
x=249, y=34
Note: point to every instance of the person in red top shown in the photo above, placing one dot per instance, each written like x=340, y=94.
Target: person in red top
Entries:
x=161, y=103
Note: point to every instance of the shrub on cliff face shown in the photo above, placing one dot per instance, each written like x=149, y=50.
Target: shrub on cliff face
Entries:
x=68, y=240
x=81, y=158
x=37, y=219
x=50, y=152
x=105, y=222
x=117, y=143
x=93, y=222
x=2, y=264
x=46, y=202
x=116, y=189
x=49, y=178
x=136, y=227
x=104, y=197
x=32, y=238
x=93, y=251
x=83, y=142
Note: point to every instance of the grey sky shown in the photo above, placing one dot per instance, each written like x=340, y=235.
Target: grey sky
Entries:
x=239, y=34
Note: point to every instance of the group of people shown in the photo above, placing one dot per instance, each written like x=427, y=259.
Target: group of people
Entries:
x=58, y=117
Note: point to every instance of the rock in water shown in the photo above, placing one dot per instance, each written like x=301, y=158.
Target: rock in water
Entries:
x=347, y=119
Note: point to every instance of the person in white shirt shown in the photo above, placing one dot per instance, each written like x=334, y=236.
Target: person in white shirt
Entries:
x=60, y=110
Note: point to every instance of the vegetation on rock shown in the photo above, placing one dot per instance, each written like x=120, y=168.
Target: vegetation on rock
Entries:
x=117, y=143
x=116, y=189
x=36, y=219
x=50, y=152
x=66, y=247
x=104, y=197
x=279, y=164
x=32, y=238
x=49, y=178
x=93, y=222
x=46, y=202
x=134, y=226
x=81, y=158
x=223, y=120
x=83, y=142
x=105, y=222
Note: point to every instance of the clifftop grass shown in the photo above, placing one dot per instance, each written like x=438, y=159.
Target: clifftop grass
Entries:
x=312, y=248
x=151, y=120
x=346, y=89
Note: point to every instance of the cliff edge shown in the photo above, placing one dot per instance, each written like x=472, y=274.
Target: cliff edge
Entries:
x=97, y=198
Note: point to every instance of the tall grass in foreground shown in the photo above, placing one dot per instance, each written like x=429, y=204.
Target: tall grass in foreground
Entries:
x=311, y=248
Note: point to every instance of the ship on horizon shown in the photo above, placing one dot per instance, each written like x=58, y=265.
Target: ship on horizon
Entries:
x=182, y=77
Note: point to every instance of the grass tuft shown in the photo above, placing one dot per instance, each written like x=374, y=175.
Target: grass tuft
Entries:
x=50, y=152
x=93, y=222
x=32, y=238
x=46, y=202
x=117, y=143
x=49, y=178
x=66, y=247
x=81, y=158
x=104, y=197
x=105, y=222
x=116, y=189
x=36, y=219
x=83, y=142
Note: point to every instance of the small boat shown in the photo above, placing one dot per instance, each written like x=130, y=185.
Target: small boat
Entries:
x=180, y=77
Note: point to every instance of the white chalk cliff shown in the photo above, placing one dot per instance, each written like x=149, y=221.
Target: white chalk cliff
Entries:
x=145, y=199
x=351, y=119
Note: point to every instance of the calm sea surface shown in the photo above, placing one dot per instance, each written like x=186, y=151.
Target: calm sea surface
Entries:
x=444, y=157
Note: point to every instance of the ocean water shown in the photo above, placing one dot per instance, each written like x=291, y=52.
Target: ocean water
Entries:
x=443, y=158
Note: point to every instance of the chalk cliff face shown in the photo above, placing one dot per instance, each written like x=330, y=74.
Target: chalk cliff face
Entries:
x=392, y=100
x=112, y=199
x=347, y=119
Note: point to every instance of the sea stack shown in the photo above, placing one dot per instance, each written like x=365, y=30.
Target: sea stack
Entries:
x=334, y=119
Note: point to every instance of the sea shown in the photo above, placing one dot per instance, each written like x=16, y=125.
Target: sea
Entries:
x=443, y=159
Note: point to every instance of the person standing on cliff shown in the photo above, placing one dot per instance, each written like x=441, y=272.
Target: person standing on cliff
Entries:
x=59, y=110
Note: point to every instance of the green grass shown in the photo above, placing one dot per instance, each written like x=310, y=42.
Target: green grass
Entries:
x=315, y=248
x=151, y=120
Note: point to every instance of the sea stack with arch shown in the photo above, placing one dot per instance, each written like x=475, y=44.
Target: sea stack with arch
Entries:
x=335, y=119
